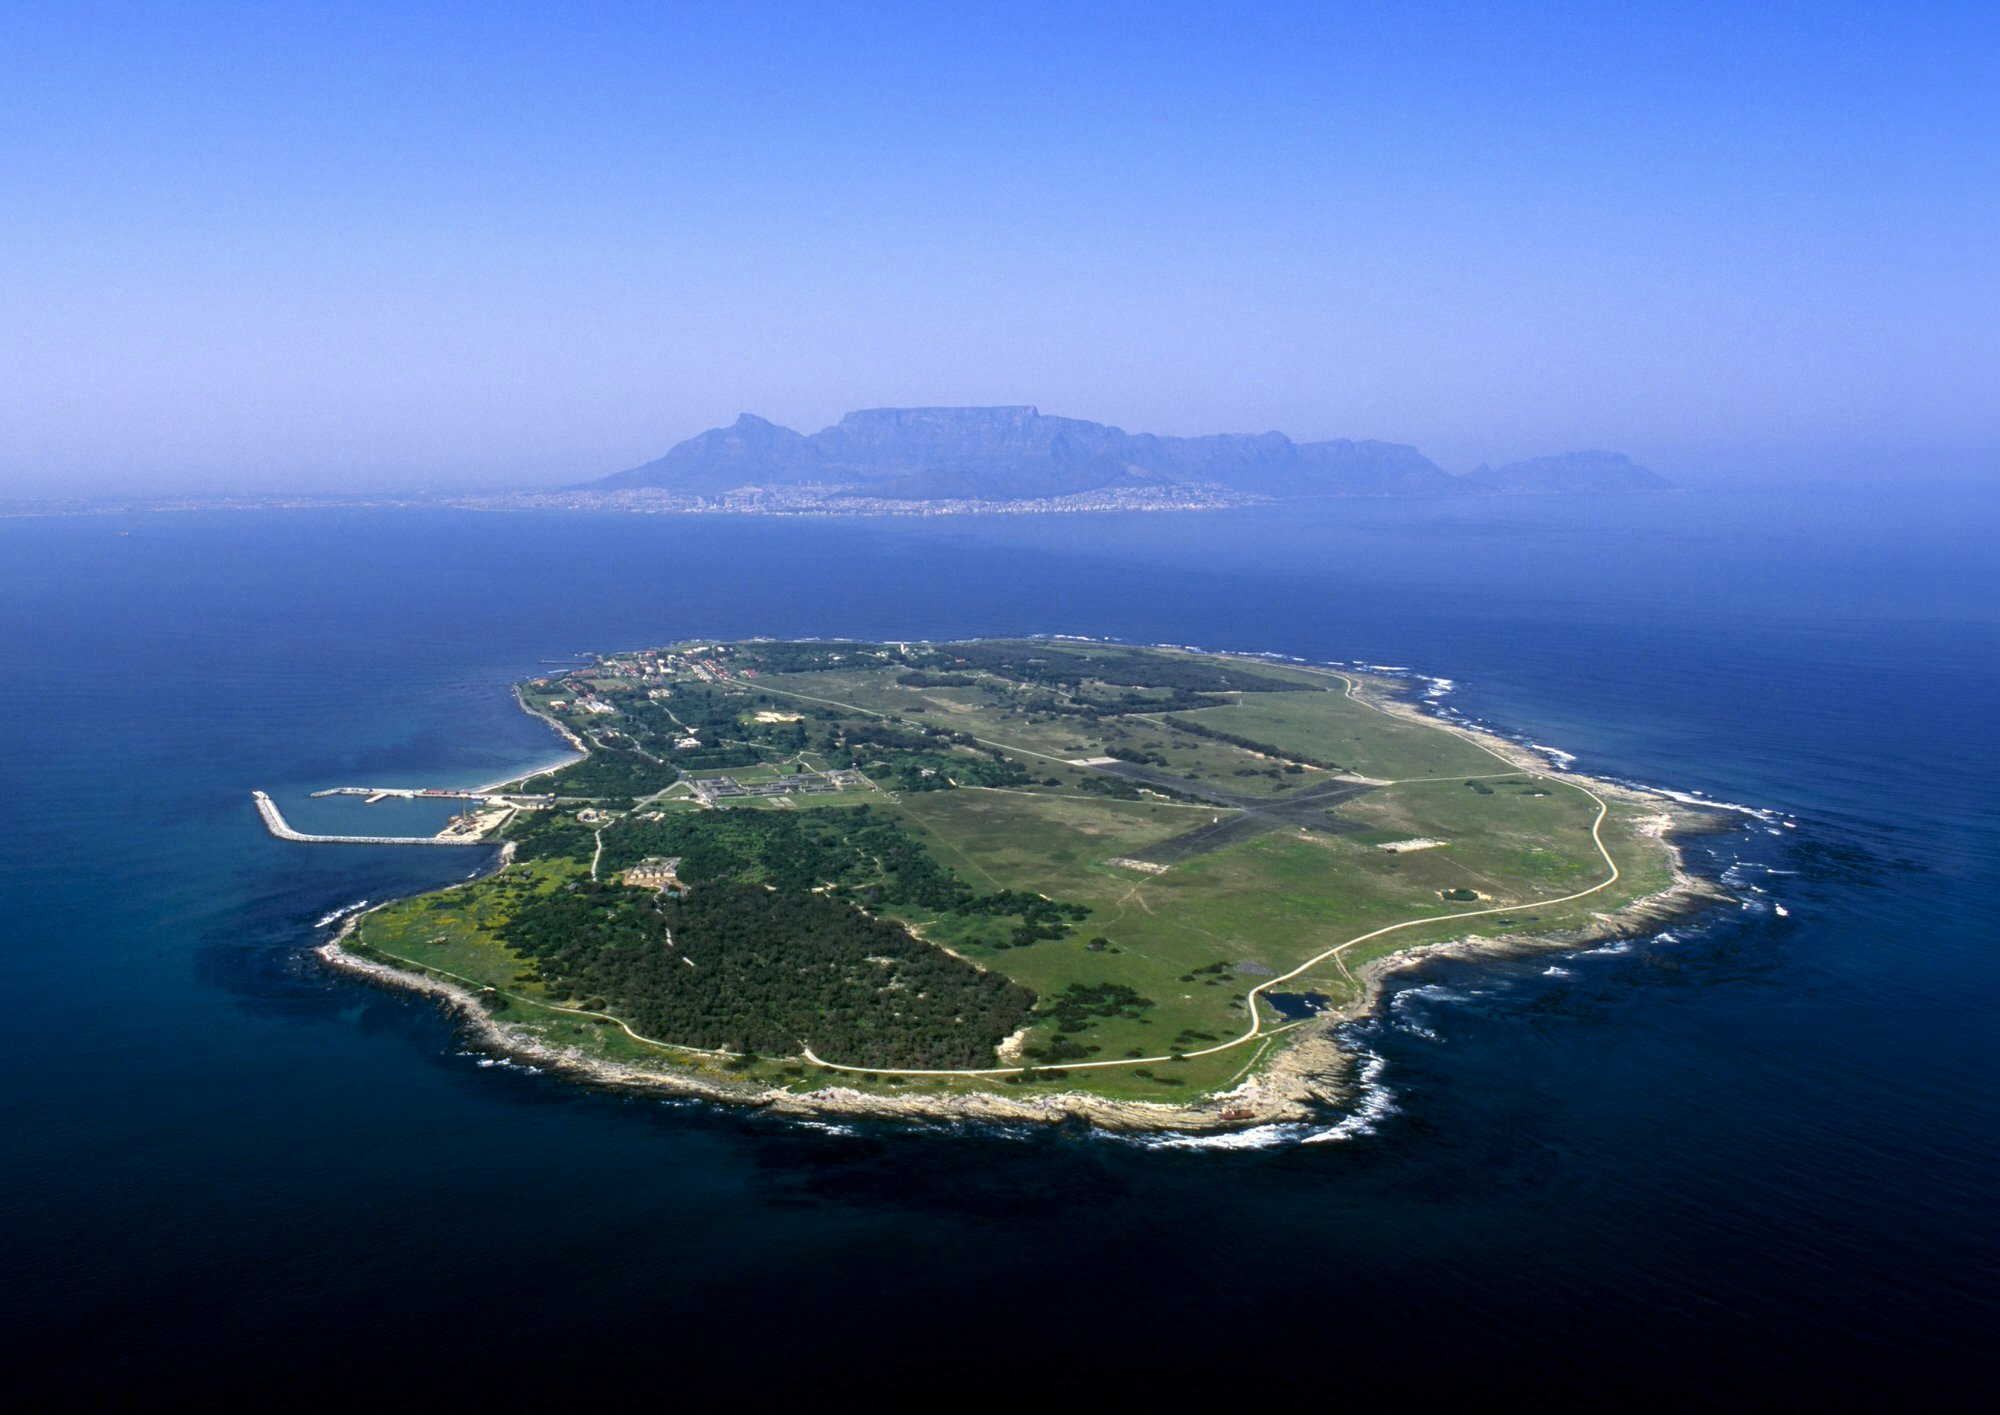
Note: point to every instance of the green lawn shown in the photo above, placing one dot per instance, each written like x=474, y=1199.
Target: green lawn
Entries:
x=1192, y=940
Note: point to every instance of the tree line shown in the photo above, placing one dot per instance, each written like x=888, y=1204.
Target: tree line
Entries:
x=741, y=967
x=1248, y=744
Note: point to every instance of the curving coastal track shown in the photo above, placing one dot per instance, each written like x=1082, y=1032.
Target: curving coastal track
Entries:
x=1257, y=1029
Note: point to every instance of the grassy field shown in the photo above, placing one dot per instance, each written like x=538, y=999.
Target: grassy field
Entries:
x=1191, y=939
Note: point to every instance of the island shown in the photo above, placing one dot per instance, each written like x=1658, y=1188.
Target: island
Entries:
x=1042, y=879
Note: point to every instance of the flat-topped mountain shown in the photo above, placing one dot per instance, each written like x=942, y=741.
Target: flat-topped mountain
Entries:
x=1017, y=453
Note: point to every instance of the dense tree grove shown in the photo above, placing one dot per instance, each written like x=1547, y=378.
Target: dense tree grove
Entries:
x=612, y=771
x=860, y=736
x=860, y=854
x=803, y=658
x=1079, y=1002
x=1095, y=704
x=1040, y=917
x=935, y=771
x=547, y=835
x=922, y=759
x=782, y=935
x=747, y=968
x=1069, y=666
x=1073, y=1008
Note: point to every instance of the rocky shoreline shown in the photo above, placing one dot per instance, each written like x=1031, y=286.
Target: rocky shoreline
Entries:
x=1303, y=1071
x=1295, y=1075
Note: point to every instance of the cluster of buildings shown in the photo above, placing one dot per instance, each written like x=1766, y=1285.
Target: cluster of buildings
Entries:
x=581, y=704
x=656, y=872
x=658, y=667
x=804, y=783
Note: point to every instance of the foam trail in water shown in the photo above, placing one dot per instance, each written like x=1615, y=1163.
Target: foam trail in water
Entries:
x=504, y=1063
x=1257, y=1137
x=1375, y=1103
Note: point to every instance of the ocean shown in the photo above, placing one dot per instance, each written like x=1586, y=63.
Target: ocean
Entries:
x=1751, y=1158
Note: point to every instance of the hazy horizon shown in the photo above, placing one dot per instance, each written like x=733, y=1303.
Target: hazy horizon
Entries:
x=387, y=249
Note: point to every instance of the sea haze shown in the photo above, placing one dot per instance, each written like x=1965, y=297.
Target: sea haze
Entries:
x=1750, y=1159
x=981, y=455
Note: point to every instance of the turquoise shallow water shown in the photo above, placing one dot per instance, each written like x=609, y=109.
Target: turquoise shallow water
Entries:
x=1753, y=1159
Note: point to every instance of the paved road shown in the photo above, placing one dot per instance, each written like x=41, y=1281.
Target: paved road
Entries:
x=1307, y=808
x=1256, y=1028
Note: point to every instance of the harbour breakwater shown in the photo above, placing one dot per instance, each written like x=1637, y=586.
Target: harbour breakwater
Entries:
x=274, y=821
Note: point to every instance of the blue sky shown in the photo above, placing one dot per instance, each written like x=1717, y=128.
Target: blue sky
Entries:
x=369, y=247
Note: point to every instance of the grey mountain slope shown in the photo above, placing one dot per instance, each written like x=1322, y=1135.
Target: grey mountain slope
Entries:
x=1014, y=453
x=749, y=452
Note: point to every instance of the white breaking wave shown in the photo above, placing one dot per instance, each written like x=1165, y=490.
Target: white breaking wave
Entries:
x=1696, y=798
x=1257, y=1137
x=1430, y=992
x=338, y=914
x=508, y=1065
x=1374, y=1102
x=1402, y=1015
x=1377, y=1103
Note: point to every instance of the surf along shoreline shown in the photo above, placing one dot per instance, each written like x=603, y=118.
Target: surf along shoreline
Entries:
x=1297, y=1072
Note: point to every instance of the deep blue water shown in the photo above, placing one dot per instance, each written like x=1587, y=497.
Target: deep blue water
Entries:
x=1755, y=1159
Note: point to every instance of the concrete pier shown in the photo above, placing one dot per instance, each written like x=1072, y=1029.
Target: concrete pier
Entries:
x=412, y=793
x=274, y=822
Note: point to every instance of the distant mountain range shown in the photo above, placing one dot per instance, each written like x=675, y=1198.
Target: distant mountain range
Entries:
x=1017, y=454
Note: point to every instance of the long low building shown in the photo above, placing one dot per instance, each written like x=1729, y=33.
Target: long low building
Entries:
x=804, y=783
